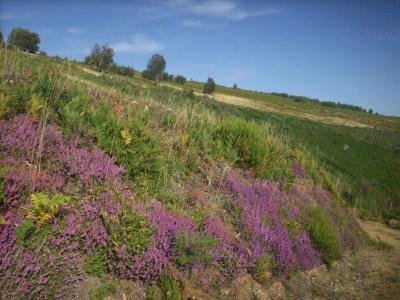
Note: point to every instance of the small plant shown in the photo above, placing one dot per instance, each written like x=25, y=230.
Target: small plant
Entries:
x=126, y=136
x=3, y=196
x=170, y=288
x=95, y=264
x=264, y=267
x=44, y=208
x=104, y=291
x=24, y=231
x=36, y=106
x=132, y=230
x=4, y=99
x=191, y=250
x=153, y=292
x=323, y=235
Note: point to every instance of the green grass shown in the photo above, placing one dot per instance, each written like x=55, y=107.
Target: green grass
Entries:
x=323, y=235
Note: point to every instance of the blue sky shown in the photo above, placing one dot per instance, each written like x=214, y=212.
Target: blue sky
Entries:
x=347, y=51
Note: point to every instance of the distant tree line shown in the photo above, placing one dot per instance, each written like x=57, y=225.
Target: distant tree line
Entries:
x=323, y=103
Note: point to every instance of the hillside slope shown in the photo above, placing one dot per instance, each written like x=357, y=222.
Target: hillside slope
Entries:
x=361, y=149
x=113, y=186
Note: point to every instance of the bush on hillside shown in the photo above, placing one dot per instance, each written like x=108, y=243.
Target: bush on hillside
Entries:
x=24, y=40
x=180, y=79
x=323, y=235
x=244, y=141
x=100, y=57
x=209, y=86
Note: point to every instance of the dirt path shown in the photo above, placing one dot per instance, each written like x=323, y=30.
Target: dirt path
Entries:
x=260, y=105
x=368, y=274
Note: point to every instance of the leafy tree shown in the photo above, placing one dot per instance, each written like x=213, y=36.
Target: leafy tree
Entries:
x=1, y=38
x=155, y=68
x=101, y=57
x=180, y=79
x=24, y=40
x=234, y=86
x=209, y=86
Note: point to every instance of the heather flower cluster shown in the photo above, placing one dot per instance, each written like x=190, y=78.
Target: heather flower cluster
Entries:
x=271, y=222
x=39, y=158
x=298, y=170
x=231, y=253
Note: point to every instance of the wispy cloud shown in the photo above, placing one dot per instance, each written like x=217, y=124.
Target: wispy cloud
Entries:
x=189, y=23
x=223, y=9
x=74, y=30
x=139, y=44
x=192, y=23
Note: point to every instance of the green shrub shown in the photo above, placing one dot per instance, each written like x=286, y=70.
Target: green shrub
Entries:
x=24, y=231
x=95, y=264
x=191, y=250
x=244, y=141
x=323, y=235
x=264, y=267
x=132, y=230
x=170, y=288
x=3, y=196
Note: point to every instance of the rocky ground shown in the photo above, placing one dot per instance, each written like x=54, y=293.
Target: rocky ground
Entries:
x=371, y=273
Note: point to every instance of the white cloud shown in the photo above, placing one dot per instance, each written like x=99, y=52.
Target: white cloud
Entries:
x=74, y=30
x=223, y=9
x=139, y=44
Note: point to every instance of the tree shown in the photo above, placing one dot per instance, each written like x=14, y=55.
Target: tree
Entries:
x=180, y=79
x=1, y=38
x=24, y=40
x=209, y=86
x=101, y=57
x=155, y=68
x=234, y=86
